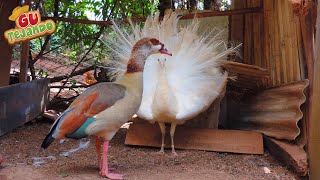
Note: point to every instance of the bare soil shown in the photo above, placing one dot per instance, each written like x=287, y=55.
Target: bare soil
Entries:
x=20, y=146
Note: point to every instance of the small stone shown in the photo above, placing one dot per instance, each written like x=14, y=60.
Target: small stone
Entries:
x=266, y=170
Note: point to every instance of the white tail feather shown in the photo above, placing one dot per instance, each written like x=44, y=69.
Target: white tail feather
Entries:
x=193, y=72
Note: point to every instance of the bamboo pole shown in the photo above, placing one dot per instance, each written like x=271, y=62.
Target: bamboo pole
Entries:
x=236, y=27
x=276, y=45
x=301, y=65
x=267, y=45
x=247, y=39
x=296, y=75
x=288, y=40
x=256, y=29
x=281, y=43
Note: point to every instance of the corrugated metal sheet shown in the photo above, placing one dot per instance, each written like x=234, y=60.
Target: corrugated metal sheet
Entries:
x=274, y=112
x=20, y=103
x=247, y=76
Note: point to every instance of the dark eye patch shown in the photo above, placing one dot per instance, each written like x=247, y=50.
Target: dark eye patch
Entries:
x=154, y=41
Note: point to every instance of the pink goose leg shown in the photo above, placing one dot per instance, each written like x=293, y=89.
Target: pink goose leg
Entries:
x=98, y=148
x=105, y=171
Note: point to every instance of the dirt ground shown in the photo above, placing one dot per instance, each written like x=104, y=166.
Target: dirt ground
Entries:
x=20, y=146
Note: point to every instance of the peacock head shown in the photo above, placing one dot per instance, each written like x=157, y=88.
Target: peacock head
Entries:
x=162, y=62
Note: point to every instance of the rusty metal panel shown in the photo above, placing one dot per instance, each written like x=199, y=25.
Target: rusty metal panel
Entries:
x=249, y=77
x=274, y=112
x=20, y=103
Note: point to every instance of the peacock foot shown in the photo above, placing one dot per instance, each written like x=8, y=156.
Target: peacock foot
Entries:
x=161, y=152
x=110, y=175
x=174, y=153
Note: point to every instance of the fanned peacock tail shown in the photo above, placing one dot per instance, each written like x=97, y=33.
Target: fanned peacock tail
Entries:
x=193, y=69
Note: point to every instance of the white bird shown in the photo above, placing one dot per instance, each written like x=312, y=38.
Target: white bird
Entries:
x=187, y=83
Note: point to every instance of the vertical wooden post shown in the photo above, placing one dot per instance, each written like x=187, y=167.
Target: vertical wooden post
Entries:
x=6, y=8
x=236, y=27
x=314, y=109
x=24, y=58
x=24, y=62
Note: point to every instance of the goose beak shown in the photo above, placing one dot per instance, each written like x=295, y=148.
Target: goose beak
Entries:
x=163, y=50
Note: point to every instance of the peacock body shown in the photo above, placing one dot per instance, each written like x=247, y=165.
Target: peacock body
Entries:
x=179, y=87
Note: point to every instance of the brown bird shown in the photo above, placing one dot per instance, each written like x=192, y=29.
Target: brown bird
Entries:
x=103, y=108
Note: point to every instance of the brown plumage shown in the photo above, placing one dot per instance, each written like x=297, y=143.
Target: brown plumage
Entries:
x=102, y=109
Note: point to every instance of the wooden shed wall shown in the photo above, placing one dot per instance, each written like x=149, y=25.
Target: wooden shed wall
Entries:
x=271, y=40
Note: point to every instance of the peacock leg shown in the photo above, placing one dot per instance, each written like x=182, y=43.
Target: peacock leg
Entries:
x=163, y=133
x=98, y=148
x=105, y=171
x=172, y=130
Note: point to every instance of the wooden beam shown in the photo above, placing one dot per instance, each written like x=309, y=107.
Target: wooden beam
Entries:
x=314, y=106
x=223, y=13
x=289, y=153
x=24, y=58
x=6, y=8
x=24, y=62
x=188, y=16
x=145, y=134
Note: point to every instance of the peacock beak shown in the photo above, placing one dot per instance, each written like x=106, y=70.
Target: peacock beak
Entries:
x=163, y=50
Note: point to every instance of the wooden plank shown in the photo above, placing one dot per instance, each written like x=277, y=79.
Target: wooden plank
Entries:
x=6, y=8
x=289, y=153
x=20, y=103
x=314, y=105
x=143, y=134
